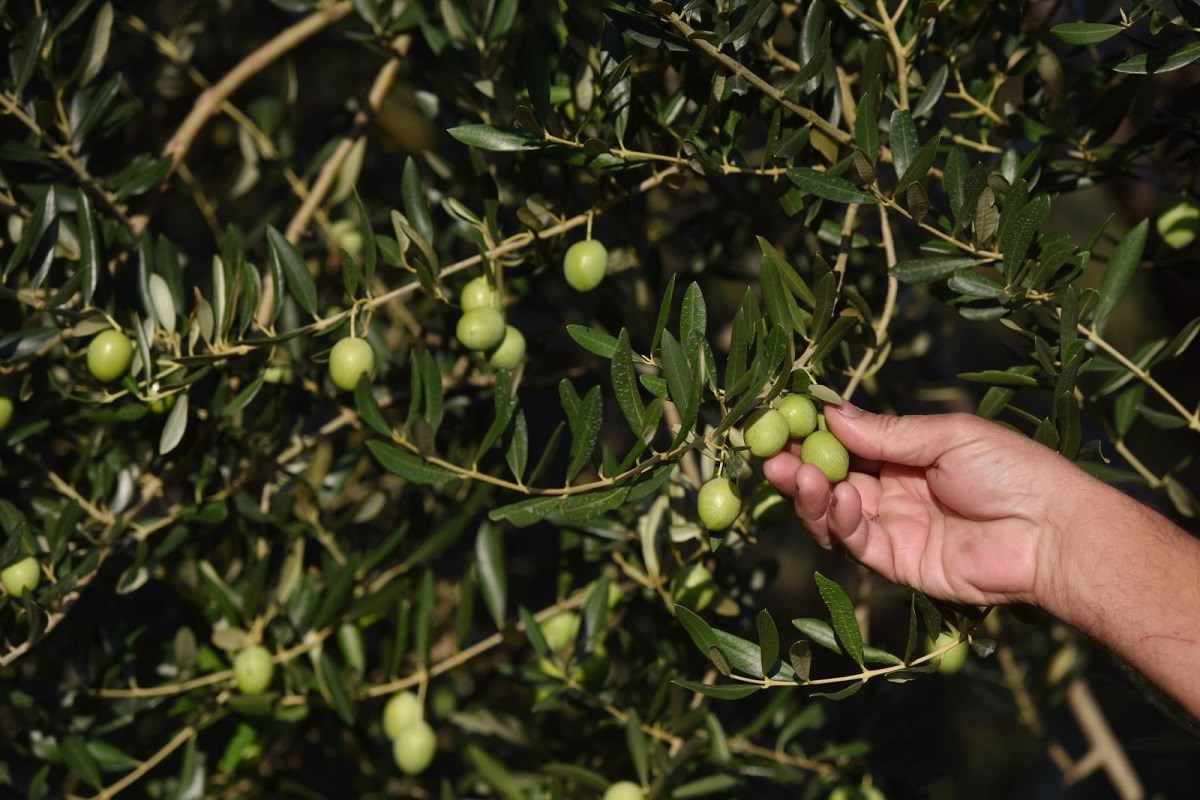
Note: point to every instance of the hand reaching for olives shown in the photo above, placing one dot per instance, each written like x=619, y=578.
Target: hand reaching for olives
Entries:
x=971, y=512
x=953, y=505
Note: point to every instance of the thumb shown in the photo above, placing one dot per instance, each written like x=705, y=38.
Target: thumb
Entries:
x=914, y=441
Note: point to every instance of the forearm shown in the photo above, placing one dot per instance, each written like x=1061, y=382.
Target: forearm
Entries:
x=1130, y=579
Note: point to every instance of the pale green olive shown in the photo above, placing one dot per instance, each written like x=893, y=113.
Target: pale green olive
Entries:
x=402, y=710
x=478, y=293
x=624, y=790
x=253, y=669
x=560, y=630
x=823, y=450
x=766, y=432
x=21, y=576
x=511, y=350
x=413, y=747
x=800, y=413
x=585, y=265
x=718, y=504
x=6, y=412
x=109, y=355
x=480, y=329
x=350, y=358
x=954, y=659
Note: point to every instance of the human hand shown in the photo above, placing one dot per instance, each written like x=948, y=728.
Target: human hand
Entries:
x=956, y=506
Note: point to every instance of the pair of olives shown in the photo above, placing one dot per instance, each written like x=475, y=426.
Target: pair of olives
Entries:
x=766, y=432
x=414, y=742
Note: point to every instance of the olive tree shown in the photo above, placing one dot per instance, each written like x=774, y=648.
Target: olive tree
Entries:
x=385, y=382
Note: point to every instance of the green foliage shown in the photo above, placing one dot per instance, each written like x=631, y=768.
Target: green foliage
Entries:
x=792, y=199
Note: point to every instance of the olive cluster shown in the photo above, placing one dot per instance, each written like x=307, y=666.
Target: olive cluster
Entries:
x=766, y=432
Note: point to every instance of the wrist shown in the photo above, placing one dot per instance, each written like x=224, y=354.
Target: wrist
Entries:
x=1080, y=544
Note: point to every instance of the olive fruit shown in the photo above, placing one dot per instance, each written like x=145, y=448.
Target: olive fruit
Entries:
x=718, y=504
x=560, y=630
x=401, y=711
x=954, y=658
x=478, y=293
x=585, y=265
x=766, y=432
x=693, y=587
x=481, y=329
x=350, y=358
x=6, y=412
x=624, y=790
x=800, y=413
x=413, y=747
x=253, y=669
x=21, y=576
x=511, y=350
x=109, y=355
x=823, y=450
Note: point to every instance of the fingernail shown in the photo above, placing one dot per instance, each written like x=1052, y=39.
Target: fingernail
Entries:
x=848, y=409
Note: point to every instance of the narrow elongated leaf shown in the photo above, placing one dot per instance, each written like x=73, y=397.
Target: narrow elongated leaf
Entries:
x=921, y=163
x=500, y=140
x=493, y=577
x=1086, y=32
x=592, y=340
x=768, y=641
x=841, y=613
x=1119, y=272
x=624, y=384
x=998, y=377
x=585, y=431
x=75, y=752
x=175, y=426
x=828, y=187
x=415, y=206
x=935, y=268
x=295, y=271
x=635, y=739
x=904, y=140
x=1158, y=62
x=517, y=454
x=399, y=461
x=693, y=318
x=732, y=691
x=331, y=679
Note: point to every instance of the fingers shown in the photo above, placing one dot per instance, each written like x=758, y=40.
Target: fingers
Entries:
x=915, y=440
x=780, y=472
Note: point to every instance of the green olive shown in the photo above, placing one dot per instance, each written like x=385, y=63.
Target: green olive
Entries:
x=6, y=412
x=414, y=747
x=109, y=355
x=21, y=576
x=585, y=265
x=481, y=329
x=800, y=413
x=560, y=630
x=624, y=790
x=402, y=710
x=478, y=293
x=350, y=358
x=826, y=453
x=766, y=432
x=953, y=659
x=718, y=504
x=253, y=669
x=511, y=350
